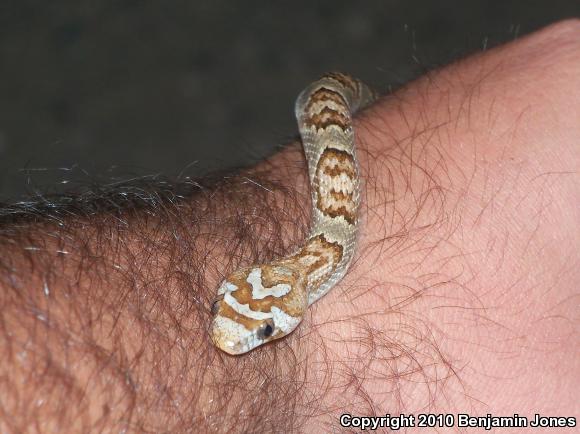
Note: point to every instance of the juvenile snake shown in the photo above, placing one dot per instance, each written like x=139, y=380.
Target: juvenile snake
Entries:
x=258, y=304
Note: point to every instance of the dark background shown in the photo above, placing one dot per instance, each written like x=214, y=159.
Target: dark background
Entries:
x=97, y=91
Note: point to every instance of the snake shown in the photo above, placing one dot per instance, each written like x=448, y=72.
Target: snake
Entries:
x=261, y=303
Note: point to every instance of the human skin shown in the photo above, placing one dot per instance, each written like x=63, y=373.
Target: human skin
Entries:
x=466, y=290
x=462, y=298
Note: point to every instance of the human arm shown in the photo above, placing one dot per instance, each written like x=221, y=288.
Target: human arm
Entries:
x=463, y=295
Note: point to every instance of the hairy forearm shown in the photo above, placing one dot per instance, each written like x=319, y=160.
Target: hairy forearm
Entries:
x=104, y=314
x=468, y=184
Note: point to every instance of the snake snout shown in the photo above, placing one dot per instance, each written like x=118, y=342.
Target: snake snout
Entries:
x=229, y=336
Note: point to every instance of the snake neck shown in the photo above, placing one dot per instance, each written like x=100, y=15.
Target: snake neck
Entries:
x=325, y=111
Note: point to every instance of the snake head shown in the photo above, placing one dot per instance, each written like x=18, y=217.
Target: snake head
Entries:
x=257, y=305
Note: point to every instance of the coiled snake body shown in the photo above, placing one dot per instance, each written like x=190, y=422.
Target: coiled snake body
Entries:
x=258, y=304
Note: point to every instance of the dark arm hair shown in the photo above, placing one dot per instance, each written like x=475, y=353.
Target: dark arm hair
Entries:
x=465, y=282
x=105, y=299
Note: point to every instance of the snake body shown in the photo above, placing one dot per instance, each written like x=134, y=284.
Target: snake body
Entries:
x=258, y=304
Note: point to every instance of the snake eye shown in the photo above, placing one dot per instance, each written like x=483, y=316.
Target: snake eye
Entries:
x=266, y=329
x=215, y=307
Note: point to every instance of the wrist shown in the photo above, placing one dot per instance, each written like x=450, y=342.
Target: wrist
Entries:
x=451, y=272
